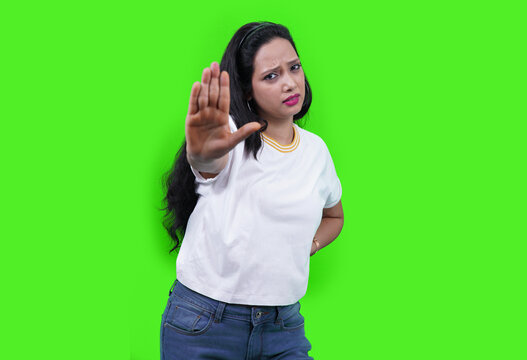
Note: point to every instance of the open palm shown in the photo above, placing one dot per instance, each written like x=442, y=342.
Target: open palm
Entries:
x=207, y=130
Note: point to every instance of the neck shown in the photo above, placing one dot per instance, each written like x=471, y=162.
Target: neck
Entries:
x=280, y=131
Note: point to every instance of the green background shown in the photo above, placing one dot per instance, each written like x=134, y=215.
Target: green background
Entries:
x=422, y=105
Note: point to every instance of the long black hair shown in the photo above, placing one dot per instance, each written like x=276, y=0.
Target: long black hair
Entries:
x=237, y=60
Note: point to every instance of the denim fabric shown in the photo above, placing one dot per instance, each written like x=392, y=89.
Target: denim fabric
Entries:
x=194, y=326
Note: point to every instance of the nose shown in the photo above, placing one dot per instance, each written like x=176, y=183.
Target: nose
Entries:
x=288, y=82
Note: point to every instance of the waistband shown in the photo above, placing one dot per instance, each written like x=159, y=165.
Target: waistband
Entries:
x=240, y=311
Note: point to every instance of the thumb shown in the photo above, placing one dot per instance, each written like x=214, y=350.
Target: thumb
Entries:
x=243, y=133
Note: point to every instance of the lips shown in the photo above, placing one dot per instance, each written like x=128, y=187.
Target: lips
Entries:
x=291, y=97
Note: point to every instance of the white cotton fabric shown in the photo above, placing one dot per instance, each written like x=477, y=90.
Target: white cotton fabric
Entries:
x=249, y=237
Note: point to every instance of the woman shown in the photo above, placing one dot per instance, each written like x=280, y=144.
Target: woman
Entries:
x=254, y=195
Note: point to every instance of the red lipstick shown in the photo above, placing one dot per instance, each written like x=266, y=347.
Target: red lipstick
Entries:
x=292, y=100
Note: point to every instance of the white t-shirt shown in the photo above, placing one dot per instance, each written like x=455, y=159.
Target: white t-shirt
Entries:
x=249, y=237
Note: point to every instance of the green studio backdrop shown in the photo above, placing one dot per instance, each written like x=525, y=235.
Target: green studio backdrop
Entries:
x=419, y=103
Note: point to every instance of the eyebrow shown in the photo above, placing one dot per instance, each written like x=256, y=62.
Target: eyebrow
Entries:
x=277, y=67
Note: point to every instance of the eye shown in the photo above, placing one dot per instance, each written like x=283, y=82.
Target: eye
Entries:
x=268, y=76
x=295, y=67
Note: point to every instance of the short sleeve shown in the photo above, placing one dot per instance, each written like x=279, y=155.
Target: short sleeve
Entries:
x=332, y=181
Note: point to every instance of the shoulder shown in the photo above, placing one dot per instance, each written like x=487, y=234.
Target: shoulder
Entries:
x=313, y=140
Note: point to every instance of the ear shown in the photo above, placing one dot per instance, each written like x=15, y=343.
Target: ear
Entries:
x=249, y=96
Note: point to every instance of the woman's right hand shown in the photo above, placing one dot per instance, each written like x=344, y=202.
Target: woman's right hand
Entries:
x=207, y=130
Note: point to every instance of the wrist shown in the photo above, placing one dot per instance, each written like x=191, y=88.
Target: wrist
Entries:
x=317, y=246
x=213, y=166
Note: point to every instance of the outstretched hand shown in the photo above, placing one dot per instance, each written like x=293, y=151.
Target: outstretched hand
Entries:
x=207, y=130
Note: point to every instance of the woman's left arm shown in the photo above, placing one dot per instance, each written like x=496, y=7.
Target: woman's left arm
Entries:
x=329, y=228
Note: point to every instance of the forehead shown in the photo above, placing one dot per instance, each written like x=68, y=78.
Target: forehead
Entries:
x=274, y=53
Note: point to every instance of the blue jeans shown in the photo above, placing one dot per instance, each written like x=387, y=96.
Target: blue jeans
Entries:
x=194, y=326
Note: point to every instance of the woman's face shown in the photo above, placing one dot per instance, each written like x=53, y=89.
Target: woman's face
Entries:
x=277, y=75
